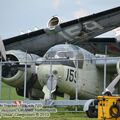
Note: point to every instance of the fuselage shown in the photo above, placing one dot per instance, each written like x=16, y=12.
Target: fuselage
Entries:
x=74, y=69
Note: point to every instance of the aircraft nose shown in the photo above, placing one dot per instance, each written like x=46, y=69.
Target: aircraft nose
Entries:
x=46, y=72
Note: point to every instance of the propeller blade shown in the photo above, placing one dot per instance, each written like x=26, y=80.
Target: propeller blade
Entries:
x=20, y=65
x=10, y=69
x=52, y=83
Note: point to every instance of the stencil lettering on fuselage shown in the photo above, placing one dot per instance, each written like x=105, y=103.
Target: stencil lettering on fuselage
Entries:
x=71, y=75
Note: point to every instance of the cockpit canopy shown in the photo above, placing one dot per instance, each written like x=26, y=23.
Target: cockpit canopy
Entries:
x=64, y=51
x=70, y=52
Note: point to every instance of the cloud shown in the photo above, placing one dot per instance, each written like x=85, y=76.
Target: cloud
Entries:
x=80, y=13
x=55, y=3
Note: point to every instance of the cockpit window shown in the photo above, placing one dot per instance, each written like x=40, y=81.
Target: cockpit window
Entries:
x=59, y=54
x=65, y=54
x=50, y=55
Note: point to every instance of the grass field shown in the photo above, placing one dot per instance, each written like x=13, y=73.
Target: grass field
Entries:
x=56, y=116
x=10, y=93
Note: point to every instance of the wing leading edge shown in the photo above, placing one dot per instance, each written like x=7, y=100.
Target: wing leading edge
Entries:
x=73, y=31
x=98, y=46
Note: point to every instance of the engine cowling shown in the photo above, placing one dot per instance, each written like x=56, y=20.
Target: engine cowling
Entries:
x=13, y=72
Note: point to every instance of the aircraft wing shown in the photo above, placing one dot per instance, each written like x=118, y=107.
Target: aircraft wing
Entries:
x=98, y=46
x=73, y=31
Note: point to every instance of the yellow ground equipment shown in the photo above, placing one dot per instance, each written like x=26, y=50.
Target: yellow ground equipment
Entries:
x=105, y=107
x=108, y=107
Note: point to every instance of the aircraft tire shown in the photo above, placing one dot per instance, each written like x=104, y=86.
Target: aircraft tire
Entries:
x=92, y=112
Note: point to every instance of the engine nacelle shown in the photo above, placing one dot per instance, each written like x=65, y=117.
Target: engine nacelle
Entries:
x=53, y=22
x=13, y=73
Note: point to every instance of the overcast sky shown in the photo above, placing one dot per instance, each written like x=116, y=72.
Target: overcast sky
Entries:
x=18, y=16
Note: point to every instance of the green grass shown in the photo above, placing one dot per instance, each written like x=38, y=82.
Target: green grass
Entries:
x=69, y=116
x=57, y=116
x=9, y=93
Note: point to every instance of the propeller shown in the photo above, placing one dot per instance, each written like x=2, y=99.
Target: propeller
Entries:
x=9, y=70
x=11, y=66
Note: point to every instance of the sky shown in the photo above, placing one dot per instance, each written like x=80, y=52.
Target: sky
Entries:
x=18, y=16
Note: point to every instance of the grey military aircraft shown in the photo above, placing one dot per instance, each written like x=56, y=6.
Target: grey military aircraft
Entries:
x=62, y=57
